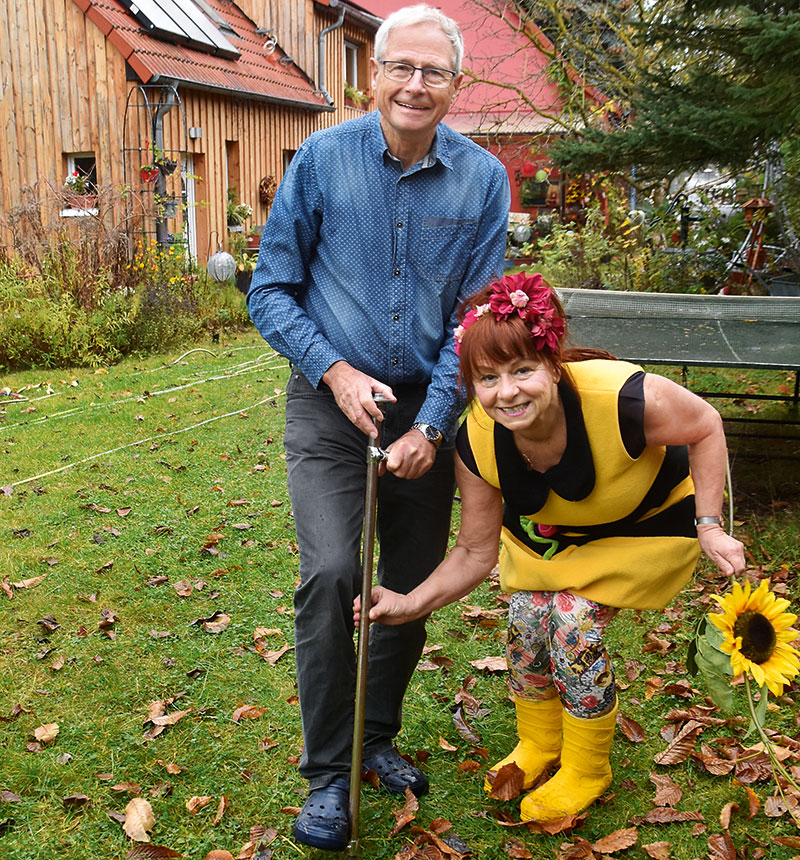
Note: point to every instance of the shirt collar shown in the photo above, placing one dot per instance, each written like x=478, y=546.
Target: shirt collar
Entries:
x=438, y=152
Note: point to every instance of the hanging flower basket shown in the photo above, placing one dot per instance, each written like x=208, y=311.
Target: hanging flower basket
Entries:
x=167, y=166
x=148, y=172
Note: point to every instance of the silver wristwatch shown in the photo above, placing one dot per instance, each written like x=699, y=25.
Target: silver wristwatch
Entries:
x=708, y=521
x=429, y=432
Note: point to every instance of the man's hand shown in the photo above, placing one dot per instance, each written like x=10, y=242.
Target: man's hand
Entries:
x=411, y=455
x=353, y=392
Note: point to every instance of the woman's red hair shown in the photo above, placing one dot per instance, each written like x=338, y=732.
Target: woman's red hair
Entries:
x=491, y=341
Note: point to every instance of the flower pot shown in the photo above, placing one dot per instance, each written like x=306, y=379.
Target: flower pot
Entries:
x=243, y=279
x=167, y=166
x=148, y=174
x=81, y=201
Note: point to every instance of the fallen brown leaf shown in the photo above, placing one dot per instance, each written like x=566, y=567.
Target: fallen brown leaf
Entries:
x=619, y=840
x=665, y=815
x=151, y=852
x=657, y=850
x=507, y=783
x=405, y=815
x=272, y=657
x=46, y=733
x=75, y=801
x=248, y=712
x=490, y=664
x=725, y=814
x=132, y=787
x=681, y=748
x=630, y=728
x=221, y=809
x=30, y=583
x=668, y=792
x=721, y=847
x=754, y=802
x=516, y=848
x=194, y=804
x=463, y=728
x=139, y=820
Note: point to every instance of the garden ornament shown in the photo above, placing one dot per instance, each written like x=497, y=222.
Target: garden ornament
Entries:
x=221, y=265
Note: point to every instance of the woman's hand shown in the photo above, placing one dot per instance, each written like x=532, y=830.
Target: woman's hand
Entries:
x=388, y=607
x=725, y=551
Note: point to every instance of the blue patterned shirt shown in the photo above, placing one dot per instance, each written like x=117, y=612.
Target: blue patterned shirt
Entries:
x=365, y=263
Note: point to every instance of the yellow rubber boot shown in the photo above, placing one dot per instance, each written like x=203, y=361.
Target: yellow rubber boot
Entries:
x=539, y=730
x=585, y=771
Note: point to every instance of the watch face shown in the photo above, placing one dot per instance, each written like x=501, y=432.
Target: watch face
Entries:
x=430, y=433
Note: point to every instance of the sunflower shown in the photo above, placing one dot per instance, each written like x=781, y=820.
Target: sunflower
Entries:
x=757, y=633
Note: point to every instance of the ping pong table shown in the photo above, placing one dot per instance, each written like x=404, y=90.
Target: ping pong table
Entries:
x=689, y=330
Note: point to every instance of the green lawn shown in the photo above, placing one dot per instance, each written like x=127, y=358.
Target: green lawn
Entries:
x=148, y=556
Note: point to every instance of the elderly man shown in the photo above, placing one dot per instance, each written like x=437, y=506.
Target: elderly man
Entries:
x=380, y=228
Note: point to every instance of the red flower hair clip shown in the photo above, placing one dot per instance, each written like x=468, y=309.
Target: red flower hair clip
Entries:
x=528, y=297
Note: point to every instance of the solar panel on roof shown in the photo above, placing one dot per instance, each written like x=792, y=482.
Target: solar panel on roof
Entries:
x=180, y=21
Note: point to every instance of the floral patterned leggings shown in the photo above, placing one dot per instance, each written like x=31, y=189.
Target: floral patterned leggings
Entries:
x=555, y=640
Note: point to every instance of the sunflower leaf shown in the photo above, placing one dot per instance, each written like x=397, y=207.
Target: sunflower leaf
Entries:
x=719, y=688
x=691, y=662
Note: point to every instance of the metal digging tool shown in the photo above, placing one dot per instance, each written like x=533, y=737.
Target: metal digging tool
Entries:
x=375, y=454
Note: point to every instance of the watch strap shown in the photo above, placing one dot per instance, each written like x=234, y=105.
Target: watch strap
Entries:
x=430, y=432
x=708, y=521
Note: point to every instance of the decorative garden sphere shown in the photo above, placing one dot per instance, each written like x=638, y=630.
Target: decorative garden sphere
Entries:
x=221, y=266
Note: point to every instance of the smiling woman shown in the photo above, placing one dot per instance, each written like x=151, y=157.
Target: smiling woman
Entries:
x=580, y=465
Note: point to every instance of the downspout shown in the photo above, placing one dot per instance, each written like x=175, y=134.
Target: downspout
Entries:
x=168, y=101
x=321, y=44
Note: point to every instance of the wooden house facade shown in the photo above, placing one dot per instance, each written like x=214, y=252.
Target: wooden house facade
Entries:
x=185, y=111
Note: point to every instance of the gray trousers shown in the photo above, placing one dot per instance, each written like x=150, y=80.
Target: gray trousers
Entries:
x=326, y=464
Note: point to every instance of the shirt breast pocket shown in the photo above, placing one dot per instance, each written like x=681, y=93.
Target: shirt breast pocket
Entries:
x=445, y=248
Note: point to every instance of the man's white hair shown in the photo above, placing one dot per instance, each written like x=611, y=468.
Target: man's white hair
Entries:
x=409, y=15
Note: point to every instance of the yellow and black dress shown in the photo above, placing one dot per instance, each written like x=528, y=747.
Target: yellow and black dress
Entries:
x=613, y=521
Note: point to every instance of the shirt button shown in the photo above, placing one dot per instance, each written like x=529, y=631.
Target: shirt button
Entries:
x=399, y=224
x=396, y=317
x=397, y=271
x=394, y=362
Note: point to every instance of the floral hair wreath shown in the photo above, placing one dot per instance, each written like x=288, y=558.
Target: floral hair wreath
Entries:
x=527, y=296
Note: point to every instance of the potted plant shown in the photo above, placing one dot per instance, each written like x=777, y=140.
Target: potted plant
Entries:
x=246, y=260
x=236, y=211
x=160, y=163
x=355, y=97
x=79, y=191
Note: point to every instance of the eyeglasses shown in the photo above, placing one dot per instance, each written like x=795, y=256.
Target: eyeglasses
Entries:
x=403, y=72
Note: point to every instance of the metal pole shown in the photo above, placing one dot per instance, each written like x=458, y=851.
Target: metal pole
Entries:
x=374, y=456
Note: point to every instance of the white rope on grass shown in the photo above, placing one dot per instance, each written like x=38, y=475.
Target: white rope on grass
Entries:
x=271, y=399
x=76, y=410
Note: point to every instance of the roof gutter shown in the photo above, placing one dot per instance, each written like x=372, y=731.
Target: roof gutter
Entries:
x=321, y=43
x=244, y=94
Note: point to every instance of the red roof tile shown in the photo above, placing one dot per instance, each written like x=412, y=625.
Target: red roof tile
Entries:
x=254, y=74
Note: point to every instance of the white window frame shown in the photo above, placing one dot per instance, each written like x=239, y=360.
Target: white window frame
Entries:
x=71, y=212
x=351, y=69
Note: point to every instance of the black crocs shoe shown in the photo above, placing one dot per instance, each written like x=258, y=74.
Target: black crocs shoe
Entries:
x=324, y=821
x=395, y=773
